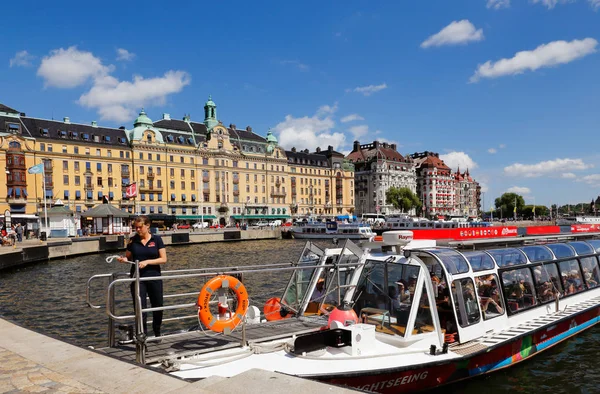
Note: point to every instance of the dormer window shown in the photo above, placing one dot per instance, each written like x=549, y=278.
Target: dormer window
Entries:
x=180, y=139
x=96, y=138
x=121, y=140
x=62, y=134
x=107, y=138
x=149, y=137
x=190, y=141
x=44, y=132
x=85, y=136
x=14, y=128
x=170, y=138
x=74, y=134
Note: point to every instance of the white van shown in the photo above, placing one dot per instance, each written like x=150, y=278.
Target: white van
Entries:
x=275, y=223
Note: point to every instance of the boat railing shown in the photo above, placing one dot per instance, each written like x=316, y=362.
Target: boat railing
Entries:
x=122, y=279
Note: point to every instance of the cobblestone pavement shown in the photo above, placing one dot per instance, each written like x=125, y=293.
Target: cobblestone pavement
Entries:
x=20, y=375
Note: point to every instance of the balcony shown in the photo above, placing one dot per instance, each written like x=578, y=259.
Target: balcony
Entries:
x=151, y=189
x=16, y=201
x=236, y=181
x=236, y=192
x=88, y=187
x=125, y=173
x=126, y=203
x=277, y=183
x=150, y=175
x=278, y=194
x=182, y=203
x=205, y=179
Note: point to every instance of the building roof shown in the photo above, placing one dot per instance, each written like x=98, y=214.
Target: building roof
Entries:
x=104, y=211
x=376, y=151
x=43, y=129
x=4, y=108
x=316, y=159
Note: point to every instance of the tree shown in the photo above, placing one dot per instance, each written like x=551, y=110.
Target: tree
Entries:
x=540, y=210
x=402, y=198
x=506, y=203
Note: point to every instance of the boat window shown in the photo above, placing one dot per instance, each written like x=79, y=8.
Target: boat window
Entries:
x=571, y=277
x=392, y=297
x=595, y=244
x=424, y=320
x=517, y=285
x=479, y=260
x=591, y=272
x=582, y=248
x=300, y=280
x=490, y=298
x=454, y=262
x=465, y=302
x=537, y=253
x=547, y=284
x=561, y=250
x=508, y=257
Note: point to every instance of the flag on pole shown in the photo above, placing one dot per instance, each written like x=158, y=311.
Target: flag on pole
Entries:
x=131, y=191
x=515, y=210
x=36, y=169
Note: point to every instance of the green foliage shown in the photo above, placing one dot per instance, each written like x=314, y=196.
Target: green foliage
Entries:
x=506, y=203
x=402, y=198
x=540, y=210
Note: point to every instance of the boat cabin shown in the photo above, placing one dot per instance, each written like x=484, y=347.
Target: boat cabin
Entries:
x=424, y=291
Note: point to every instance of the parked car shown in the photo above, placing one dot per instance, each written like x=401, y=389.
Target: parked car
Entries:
x=216, y=226
x=183, y=226
x=261, y=223
x=198, y=225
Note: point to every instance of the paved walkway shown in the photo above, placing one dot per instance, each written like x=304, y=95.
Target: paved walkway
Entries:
x=32, y=362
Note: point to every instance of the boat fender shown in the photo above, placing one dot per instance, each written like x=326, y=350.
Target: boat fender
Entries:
x=273, y=310
x=253, y=315
x=345, y=314
x=219, y=323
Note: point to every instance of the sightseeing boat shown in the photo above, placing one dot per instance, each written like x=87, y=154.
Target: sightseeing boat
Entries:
x=405, y=222
x=391, y=315
x=332, y=229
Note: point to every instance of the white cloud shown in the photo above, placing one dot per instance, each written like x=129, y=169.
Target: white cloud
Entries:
x=551, y=3
x=353, y=117
x=498, y=4
x=456, y=160
x=568, y=175
x=296, y=63
x=359, y=131
x=592, y=180
x=368, y=90
x=550, y=167
x=545, y=55
x=309, y=132
x=457, y=32
x=124, y=55
x=492, y=150
x=519, y=190
x=327, y=109
x=68, y=68
x=595, y=4
x=118, y=100
x=22, y=59
x=113, y=99
x=484, y=188
x=502, y=146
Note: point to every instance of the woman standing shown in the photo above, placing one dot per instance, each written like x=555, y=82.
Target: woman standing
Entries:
x=149, y=250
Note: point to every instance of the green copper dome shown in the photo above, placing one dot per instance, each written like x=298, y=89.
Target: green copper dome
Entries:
x=142, y=119
x=270, y=137
x=210, y=103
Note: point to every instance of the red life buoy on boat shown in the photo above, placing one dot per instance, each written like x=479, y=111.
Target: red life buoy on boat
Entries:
x=272, y=310
x=207, y=318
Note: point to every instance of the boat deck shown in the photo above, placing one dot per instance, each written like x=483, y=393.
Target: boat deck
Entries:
x=200, y=342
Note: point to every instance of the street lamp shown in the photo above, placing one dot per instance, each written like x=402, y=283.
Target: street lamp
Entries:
x=244, y=210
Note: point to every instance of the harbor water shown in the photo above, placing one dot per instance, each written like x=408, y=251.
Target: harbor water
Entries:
x=50, y=298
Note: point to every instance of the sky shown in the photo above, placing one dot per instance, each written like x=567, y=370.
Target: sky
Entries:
x=508, y=89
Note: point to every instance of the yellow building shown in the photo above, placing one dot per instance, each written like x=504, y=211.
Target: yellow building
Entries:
x=192, y=170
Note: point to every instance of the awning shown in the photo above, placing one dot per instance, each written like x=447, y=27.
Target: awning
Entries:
x=195, y=217
x=251, y=217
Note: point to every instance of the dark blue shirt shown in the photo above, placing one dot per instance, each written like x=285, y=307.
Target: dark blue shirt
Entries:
x=142, y=252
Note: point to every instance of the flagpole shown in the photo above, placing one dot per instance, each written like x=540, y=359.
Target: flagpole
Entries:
x=44, y=191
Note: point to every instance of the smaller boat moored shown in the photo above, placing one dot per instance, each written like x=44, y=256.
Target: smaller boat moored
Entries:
x=331, y=229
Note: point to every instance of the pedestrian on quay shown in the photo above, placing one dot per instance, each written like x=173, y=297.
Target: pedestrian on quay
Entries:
x=19, y=231
x=150, y=252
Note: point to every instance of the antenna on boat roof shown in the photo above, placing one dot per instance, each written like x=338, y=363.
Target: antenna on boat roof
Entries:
x=335, y=241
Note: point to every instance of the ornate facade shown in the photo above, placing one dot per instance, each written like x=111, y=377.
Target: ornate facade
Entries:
x=379, y=166
x=185, y=168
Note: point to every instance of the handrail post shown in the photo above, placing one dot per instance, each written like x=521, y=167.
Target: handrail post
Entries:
x=140, y=336
x=112, y=341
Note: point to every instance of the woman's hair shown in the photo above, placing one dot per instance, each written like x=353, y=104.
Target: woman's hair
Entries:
x=145, y=220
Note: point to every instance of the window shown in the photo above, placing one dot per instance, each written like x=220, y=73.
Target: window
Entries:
x=109, y=168
x=183, y=184
x=64, y=149
x=99, y=167
x=205, y=161
x=98, y=153
x=65, y=165
x=141, y=170
x=591, y=272
x=547, y=283
x=517, y=285
x=158, y=170
x=109, y=152
x=181, y=159
x=77, y=180
x=571, y=277
x=182, y=172
x=172, y=171
x=99, y=181
x=465, y=302
x=490, y=298
x=49, y=147
x=76, y=150
x=87, y=151
x=157, y=157
x=65, y=179
x=141, y=156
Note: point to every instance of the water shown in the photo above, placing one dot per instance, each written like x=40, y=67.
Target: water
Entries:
x=50, y=298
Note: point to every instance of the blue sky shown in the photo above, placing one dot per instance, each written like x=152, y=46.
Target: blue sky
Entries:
x=507, y=88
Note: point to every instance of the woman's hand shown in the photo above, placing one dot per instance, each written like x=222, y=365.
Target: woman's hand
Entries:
x=142, y=264
x=122, y=259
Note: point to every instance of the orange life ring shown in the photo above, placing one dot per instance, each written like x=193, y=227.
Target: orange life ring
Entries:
x=209, y=289
x=272, y=310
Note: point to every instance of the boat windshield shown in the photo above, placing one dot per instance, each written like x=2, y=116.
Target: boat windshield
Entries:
x=386, y=293
x=561, y=250
x=582, y=248
x=480, y=261
x=300, y=280
x=537, y=253
x=453, y=261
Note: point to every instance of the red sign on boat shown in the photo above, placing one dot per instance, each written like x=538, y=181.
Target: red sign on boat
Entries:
x=466, y=233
